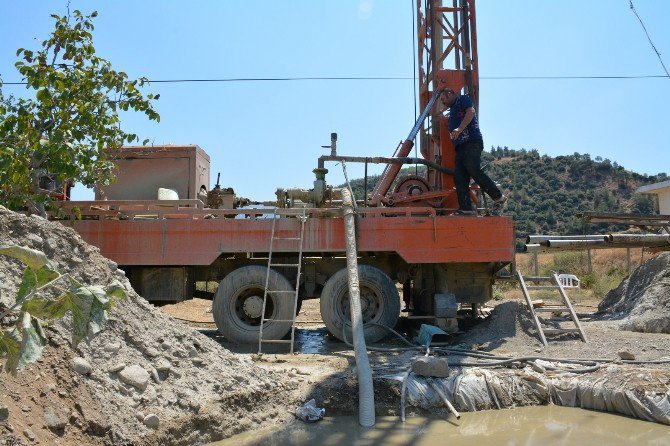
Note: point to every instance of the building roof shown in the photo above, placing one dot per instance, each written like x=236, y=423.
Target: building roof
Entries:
x=653, y=188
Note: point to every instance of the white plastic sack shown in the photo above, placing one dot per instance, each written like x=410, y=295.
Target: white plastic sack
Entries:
x=309, y=412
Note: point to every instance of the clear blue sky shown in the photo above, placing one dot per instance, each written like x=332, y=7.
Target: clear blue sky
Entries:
x=267, y=135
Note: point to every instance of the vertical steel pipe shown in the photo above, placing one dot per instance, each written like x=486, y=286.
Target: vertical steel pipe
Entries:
x=366, y=393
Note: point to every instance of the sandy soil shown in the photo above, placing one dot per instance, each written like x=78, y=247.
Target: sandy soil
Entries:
x=146, y=379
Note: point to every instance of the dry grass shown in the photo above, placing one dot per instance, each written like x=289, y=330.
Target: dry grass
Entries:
x=608, y=267
x=578, y=261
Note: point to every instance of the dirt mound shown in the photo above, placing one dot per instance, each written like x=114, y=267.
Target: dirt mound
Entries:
x=642, y=301
x=146, y=379
x=508, y=321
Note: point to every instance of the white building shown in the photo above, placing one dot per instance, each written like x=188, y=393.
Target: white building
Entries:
x=662, y=191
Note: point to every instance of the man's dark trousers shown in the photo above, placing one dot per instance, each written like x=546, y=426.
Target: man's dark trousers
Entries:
x=468, y=165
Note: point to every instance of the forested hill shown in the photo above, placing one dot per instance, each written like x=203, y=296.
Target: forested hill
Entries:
x=546, y=193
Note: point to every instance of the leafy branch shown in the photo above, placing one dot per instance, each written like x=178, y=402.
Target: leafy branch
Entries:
x=88, y=306
x=71, y=126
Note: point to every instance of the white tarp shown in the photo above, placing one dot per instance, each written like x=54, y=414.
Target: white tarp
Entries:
x=607, y=390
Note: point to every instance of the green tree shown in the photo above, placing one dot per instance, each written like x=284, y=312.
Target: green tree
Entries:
x=70, y=127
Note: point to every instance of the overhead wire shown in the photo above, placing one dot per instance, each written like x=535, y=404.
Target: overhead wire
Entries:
x=658, y=54
x=373, y=78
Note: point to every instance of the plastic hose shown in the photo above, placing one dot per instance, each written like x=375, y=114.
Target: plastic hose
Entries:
x=366, y=393
x=592, y=364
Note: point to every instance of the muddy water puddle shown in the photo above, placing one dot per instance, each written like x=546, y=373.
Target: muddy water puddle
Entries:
x=314, y=340
x=527, y=426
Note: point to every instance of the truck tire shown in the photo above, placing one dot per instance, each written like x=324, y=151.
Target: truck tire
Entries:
x=380, y=303
x=238, y=304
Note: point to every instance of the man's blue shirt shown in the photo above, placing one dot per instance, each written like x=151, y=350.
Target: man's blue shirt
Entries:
x=456, y=115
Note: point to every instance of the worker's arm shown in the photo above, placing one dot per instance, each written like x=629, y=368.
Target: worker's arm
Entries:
x=469, y=114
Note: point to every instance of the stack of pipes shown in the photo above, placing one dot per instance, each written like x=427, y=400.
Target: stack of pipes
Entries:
x=542, y=243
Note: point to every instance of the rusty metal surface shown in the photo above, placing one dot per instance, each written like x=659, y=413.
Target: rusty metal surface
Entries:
x=141, y=170
x=196, y=236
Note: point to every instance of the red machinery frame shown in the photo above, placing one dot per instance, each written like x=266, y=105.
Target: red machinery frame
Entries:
x=183, y=233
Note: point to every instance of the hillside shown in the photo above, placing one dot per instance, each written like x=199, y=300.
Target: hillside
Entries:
x=546, y=193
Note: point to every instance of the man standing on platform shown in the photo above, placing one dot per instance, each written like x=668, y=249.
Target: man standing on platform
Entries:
x=469, y=144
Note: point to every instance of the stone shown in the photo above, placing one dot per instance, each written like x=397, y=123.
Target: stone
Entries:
x=626, y=355
x=112, y=347
x=135, y=376
x=112, y=265
x=116, y=367
x=537, y=367
x=140, y=417
x=26, y=409
x=163, y=366
x=35, y=240
x=81, y=366
x=431, y=366
x=194, y=405
x=47, y=390
x=51, y=244
x=151, y=421
x=150, y=396
x=29, y=434
x=155, y=376
x=4, y=412
x=54, y=420
x=151, y=352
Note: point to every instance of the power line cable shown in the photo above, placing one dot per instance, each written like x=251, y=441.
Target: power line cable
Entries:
x=649, y=38
x=382, y=78
x=571, y=77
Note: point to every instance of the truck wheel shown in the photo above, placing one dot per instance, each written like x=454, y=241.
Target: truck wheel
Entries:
x=380, y=303
x=238, y=304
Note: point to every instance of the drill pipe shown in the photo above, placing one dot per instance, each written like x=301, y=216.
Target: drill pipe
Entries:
x=384, y=160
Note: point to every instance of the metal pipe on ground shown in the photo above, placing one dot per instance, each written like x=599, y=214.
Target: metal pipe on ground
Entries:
x=541, y=239
x=366, y=394
x=639, y=239
x=579, y=244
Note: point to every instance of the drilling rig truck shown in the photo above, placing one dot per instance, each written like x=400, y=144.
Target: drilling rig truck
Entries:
x=267, y=260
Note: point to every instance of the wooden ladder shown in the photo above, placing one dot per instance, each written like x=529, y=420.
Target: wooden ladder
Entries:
x=555, y=284
x=281, y=294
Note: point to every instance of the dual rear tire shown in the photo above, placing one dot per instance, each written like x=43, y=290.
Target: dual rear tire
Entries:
x=238, y=304
x=380, y=304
